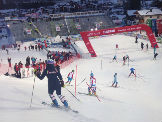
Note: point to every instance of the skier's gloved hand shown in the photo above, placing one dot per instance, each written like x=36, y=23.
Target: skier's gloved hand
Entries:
x=35, y=71
x=62, y=83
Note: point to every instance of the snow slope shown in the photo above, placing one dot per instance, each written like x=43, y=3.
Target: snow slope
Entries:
x=136, y=100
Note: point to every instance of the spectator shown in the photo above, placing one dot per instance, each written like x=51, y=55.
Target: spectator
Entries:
x=9, y=61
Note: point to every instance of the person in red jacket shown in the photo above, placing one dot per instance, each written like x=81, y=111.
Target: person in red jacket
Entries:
x=20, y=65
x=16, y=68
x=70, y=76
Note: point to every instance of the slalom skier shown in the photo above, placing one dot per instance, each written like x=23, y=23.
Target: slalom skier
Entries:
x=70, y=76
x=117, y=46
x=127, y=57
x=124, y=59
x=142, y=45
x=155, y=48
x=92, y=86
x=132, y=72
x=147, y=46
x=55, y=82
x=155, y=56
x=136, y=41
x=115, y=58
x=115, y=83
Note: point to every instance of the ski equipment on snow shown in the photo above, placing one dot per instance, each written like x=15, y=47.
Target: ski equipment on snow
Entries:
x=72, y=94
x=93, y=92
x=67, y=109
x=81, y=81
x=32, y=93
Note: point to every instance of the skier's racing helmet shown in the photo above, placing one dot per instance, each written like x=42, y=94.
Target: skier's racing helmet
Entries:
x=91, y=74
x=50, y=61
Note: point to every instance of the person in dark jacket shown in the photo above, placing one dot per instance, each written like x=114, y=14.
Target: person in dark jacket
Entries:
x=55, y=82
x=155, y=56
x=142, y=45
x=136, y=41
x=9, y=61
x=28, y=60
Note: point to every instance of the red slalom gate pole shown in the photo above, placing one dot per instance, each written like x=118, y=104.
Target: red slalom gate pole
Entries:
x=93, y=92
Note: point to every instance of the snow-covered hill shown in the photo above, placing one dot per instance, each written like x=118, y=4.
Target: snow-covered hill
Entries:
x=136, y=100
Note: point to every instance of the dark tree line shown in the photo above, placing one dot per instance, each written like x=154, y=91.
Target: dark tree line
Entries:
x=13, y=5
x=157, y=3
x=35, y=5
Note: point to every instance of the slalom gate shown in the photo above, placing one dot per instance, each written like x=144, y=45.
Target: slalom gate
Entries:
x=85, y=35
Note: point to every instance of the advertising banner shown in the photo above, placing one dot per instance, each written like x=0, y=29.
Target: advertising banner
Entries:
x=26, y=72
x=28, y=31
x=58, y=28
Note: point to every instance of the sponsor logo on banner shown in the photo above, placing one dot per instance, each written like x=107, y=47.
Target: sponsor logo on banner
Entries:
x=58, y=28
x=94, y=34
x=28, y=31
x=108, y=31
x=78, y=26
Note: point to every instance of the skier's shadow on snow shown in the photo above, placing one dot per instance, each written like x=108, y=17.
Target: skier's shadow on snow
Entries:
x=24, y=93
x=112, y=100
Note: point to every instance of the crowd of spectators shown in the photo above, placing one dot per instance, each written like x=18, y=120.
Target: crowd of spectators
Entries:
x=58, y=56
x=66, y=7
x=39, y=64
x=33, y=62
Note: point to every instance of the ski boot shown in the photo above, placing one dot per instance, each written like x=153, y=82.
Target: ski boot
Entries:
x=55, y=103
x=65, y=103
x=89, y=93
x=116, y=85
x=94, y=93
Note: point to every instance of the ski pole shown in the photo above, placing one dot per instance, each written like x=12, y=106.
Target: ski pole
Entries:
x=32, y=93
x=81, y=81
x=72, y=94
x=93, y=92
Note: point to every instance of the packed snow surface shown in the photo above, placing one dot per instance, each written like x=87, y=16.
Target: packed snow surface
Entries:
x=135, y=100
